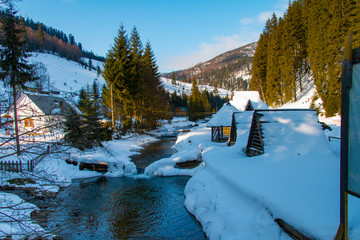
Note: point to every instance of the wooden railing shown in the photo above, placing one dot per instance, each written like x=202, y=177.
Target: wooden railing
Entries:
x=17, y=166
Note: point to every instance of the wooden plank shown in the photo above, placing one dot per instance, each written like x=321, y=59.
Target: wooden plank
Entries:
x=291, y=231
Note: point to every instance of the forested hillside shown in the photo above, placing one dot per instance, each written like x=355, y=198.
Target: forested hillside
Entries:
x=308, y=39
x=42, y=38
x=229, y=70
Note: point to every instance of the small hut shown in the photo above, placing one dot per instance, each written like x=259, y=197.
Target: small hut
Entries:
x=247, y=101
x=220, y=123
x=280, y=127
x=240, y=128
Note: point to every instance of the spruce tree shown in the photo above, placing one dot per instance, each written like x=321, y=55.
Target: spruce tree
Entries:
x=194, y=107
x=74, y=134
x=116, y=73
x=16, y=72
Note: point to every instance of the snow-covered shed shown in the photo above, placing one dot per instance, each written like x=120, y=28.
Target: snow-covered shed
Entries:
x=220, y=123
x=38, y=114
x=287, y=130
x=247, y=101
x=240, y=128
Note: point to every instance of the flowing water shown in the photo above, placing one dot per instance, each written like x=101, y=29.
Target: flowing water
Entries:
x=136, y=207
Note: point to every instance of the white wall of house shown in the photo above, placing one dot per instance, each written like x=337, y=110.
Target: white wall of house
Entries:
x=32, y=120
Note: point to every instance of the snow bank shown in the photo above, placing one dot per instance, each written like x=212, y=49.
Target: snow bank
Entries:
x=15, y=218
x=188, y=149
x=297, y=180
x=116, y=153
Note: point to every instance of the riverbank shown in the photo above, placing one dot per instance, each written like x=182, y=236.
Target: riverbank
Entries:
x=296, y=180
x=53, y=173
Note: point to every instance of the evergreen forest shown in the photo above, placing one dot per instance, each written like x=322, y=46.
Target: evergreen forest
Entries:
x=133, y=95
x=42, y=38
x=308, y=39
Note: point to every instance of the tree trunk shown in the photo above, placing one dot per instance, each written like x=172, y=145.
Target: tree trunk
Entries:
x=112, y=108
x=18, y=151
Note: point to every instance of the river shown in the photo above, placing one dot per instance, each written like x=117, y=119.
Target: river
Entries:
x=135, y=207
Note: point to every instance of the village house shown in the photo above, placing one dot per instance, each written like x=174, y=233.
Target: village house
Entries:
x=223, y=126
x=37, y=114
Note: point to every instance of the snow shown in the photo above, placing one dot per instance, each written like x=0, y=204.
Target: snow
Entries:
x=15, y=218
x=241, y=99
x=183, y=87
x=296, y=179
x=66, y=75
x=233, y=196
x=223, y=117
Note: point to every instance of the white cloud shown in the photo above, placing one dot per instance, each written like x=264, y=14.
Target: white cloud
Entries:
x=206, y=51
x=262, y=17
x=249, y=31
x=247, y=21
x=259, y=19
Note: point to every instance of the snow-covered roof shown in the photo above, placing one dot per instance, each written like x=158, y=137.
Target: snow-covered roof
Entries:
x=241, y=99
x=223, y=117
x=243, y=124
x=290, y=131
x=50, y=105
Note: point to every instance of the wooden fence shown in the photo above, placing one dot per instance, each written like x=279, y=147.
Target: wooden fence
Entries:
x=17, y=166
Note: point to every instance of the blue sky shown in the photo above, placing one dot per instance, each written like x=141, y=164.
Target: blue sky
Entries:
x=182, y=33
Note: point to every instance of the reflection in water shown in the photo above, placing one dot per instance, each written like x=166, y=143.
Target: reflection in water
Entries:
x=126, y=208
x=137, y=207
x=153, y=152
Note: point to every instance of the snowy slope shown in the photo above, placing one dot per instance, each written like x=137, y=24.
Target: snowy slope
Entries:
x=69, y=76
x=182, y=87
x=66, y=75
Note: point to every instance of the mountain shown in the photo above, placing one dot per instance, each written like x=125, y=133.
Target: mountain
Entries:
x=230, y=70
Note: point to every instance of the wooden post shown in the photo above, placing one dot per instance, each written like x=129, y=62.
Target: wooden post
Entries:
x=345, y=94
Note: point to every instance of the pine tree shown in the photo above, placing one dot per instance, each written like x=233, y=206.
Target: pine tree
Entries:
x=273, y=83
x=116, y=73
x=194, y=107
x=16, y=72
x=85, y=130
x=173, y=79
x=258, y=71
x=40, y=35
x=74, y=134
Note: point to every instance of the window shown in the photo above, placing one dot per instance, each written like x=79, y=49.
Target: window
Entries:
x=29, y=123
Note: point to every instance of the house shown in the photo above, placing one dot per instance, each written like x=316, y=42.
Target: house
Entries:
x=38, y=114
x=247, y=101
x=220, y=123
x=180, y=111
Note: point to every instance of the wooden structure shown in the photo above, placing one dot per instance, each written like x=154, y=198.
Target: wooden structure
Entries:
x=255, y=145
x=273, y=118
x=249, y=106
x=220, y=123
x=240, y=127
x=180, y=111
x=17, y=166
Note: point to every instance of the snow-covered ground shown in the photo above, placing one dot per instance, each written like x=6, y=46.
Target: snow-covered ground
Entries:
x=66, y=75
x=238, y=197
x=232, y=195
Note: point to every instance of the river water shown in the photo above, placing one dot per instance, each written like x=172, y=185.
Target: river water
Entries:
x=136, y=207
